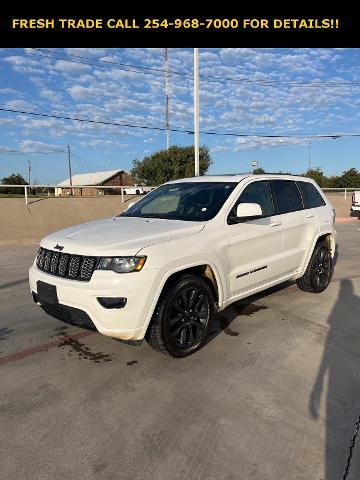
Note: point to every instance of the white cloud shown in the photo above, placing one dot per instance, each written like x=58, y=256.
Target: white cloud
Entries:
x=19, y=104
x=71, y=68
x=244, y=105
x=31, y=146
x=87, y=52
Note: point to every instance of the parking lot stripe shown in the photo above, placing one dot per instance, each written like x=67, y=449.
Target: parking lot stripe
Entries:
x=14, y=357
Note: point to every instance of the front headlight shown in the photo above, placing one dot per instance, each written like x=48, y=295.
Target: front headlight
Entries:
x=121, y=264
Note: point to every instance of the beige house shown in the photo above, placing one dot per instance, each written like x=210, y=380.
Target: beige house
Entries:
x=92, y=180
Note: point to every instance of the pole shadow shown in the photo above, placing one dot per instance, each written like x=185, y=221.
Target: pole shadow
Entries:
x=340, y=369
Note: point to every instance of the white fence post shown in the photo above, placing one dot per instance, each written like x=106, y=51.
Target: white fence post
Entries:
x=122, y=195
x=345, y=194
x=26, y=195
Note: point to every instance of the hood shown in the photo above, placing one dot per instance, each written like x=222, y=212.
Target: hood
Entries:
x=119, y=235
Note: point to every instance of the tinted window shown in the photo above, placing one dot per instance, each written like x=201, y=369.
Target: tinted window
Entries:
x=287, y=195
x=311, y=197
x=257, y=192
x=193, y=201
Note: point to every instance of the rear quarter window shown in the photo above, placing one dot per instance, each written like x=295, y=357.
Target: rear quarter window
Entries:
x=311, y=196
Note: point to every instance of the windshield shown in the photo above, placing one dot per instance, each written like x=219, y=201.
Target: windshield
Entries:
x=193, y=201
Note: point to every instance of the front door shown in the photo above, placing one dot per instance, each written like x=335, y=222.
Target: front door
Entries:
x=255, y=246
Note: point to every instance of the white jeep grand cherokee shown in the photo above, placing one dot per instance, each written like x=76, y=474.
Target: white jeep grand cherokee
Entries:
x=161, y=269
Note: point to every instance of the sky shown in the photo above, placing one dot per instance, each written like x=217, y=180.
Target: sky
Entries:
x=296, y=94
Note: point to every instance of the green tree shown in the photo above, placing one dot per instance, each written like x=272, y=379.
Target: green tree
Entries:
x=334, y=181
x=164, y=165
x=13, y=179
x=318, y=175
x=350, y=178
x=258, y=170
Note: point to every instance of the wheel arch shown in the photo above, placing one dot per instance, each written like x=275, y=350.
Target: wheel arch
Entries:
x=205, y=270
x=327, y=237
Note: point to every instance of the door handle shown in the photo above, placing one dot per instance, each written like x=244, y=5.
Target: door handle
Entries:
x=275, y=224
x=310, y=215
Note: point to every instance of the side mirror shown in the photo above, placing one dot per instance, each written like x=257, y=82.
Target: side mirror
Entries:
x=245, y=210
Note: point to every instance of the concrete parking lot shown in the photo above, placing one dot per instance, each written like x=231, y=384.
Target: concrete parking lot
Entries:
x=275, y=393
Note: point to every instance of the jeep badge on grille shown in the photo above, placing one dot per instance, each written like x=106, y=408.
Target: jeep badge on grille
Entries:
x=58, y=247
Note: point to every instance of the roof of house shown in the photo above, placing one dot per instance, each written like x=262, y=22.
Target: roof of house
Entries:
x=94, y=178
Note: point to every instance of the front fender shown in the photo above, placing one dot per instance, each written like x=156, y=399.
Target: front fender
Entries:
x=166, y=272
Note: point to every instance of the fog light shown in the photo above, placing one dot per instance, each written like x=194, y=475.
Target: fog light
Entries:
x=112, y=302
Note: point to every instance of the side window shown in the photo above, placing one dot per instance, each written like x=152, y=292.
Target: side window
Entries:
x=257, y=192
x=287, y=196
x=311, y=197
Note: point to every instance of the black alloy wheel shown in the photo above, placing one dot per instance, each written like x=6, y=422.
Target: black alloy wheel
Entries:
x=319, y=270
x=188, y=318
x=183, y=317
x=322, y=269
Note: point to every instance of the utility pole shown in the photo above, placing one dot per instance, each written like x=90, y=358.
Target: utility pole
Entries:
x=29, y=173
x=69, y=162
x=196, y=111
x=167, y=98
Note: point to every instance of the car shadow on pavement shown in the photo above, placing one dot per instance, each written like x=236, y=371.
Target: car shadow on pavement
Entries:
x=339, y=371
x=245, y=307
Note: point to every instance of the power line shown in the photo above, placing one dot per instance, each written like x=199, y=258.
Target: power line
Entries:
x=310, y=106
x=210, y=78
x=84, y=160
x=213, y=77
x=127, y=65
x=61, y=114
x=118, y=66
x=178, y=130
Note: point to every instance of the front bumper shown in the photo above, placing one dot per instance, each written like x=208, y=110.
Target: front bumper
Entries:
x=128, y=323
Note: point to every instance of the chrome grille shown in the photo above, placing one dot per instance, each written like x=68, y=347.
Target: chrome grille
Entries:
x=75, y=267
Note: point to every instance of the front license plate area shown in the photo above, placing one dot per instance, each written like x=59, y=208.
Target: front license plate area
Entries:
x=47, y=293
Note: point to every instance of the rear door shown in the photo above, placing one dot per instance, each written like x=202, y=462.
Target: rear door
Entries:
x=314, y=203
x=255, y=246
x=298, y=224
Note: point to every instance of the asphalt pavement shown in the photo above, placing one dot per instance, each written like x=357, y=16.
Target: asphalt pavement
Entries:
x=274, y=394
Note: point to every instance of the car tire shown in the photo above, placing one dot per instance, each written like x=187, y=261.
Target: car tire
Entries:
x=319, y=271
x=182, y=318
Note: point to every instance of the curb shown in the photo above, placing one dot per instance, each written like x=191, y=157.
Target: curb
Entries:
x=347, y=220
